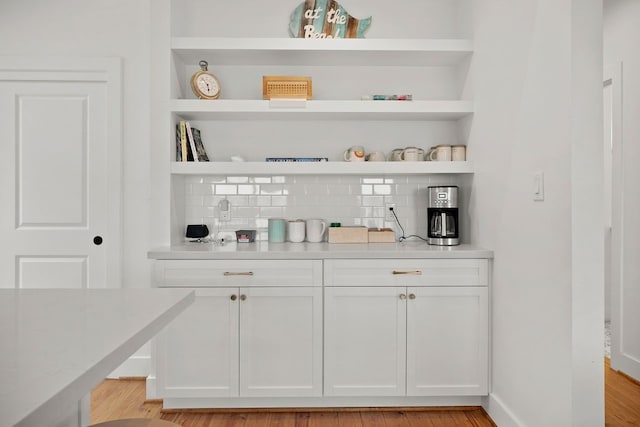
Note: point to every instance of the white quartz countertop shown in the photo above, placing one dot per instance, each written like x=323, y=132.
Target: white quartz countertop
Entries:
x=56, y=345
x=265, y=250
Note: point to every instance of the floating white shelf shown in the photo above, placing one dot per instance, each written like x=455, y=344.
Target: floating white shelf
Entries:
x=351, y=52
x=194, y=109
x=320, y=168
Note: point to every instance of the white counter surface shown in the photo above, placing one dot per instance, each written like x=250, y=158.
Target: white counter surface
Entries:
x=56, y=345
x=265, y=250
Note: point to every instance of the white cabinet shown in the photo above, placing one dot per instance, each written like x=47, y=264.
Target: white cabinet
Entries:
x=447, y=341
x=252, y=340
x=428, y=339
x=281, y=342
x=396, y=328
x=365, y=341
x=198, y=353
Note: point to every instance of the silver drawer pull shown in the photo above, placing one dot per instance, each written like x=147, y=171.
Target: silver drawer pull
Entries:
x=410, y=272
x=240, y=273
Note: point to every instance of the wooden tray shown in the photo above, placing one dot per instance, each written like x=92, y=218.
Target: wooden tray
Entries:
x=381, y=235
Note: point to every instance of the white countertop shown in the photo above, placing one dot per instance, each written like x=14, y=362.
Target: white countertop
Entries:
x=265, y=250
x=56, y=345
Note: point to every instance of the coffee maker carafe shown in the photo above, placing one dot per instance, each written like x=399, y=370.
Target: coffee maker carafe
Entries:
x=442, y=214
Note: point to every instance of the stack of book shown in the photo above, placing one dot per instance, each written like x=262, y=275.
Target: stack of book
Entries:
x=189, y=146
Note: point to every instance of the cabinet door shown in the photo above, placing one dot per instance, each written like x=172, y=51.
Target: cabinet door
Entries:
x=198, y=351
x=281, y=341
x=447, y=341
x=365, y=341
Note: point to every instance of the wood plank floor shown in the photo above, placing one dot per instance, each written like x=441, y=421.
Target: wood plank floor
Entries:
x=622, y=398
x=114, y=399
x=125, y=398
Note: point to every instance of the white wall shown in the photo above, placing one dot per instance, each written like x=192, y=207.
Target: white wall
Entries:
x=523, y=87
x=621, y=35
x=101, y=28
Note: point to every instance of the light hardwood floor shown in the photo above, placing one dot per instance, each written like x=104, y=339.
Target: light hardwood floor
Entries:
x=622, y=398
x=114, y=399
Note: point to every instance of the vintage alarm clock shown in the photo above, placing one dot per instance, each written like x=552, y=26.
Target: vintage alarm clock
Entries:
x=204, y=84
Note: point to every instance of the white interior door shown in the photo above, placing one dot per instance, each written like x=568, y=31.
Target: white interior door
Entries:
x=625, y=233
x=59, y=157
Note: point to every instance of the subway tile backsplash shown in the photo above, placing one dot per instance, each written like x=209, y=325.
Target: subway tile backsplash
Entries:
x=350, y=200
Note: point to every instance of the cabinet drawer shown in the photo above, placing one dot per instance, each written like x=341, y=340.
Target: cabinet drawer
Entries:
x=232, y=273
x=406, y=272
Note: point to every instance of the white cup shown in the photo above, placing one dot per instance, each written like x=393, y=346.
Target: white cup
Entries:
x=441, y=153
x=458, y=153
x=376, y=156
x=354, y=154
x=412, y=154
x=396, y=154
x=315, y=230
x=296, y=231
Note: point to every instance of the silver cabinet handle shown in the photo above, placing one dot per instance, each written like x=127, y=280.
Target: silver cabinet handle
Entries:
x=243, y=297
x=240, y=273
x=403, y=297
x=412, y=296
x=408, y=272
x=234, y=297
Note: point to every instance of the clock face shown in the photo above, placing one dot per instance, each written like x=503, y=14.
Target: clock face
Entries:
x=208, y=85
x=205, y=85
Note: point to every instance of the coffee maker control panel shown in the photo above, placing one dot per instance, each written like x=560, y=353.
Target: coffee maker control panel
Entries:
x=443, y=197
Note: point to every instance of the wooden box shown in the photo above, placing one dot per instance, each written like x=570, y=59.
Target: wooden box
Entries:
x=381, y=235
x=348, y=234
x=286, y=87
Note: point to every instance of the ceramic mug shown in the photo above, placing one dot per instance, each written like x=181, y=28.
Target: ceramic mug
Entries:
x=396, y=154
x=276, y=230
x=376, y=156
x=315, y=230
x=441, y=153
x=296, y=231
x=412, y=154
x=354, y=154
x=458, y=153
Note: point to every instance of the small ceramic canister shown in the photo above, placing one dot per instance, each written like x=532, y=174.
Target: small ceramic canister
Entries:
x=276, y=227
x=458, y=153
x=296, y=231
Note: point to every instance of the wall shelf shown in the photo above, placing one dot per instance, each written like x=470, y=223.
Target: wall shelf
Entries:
x=335, y=110
x=347, y=52
x=320, y=168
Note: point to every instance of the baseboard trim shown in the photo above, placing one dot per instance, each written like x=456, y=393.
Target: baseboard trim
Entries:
x=500, y=413
x=135, y=366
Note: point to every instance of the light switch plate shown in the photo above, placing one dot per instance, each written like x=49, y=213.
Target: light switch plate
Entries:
x=538, y=186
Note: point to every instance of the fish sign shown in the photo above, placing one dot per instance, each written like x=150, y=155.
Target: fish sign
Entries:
x=325, y=19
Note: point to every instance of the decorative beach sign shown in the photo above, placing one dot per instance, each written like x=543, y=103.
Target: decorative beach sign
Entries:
x=325, y=19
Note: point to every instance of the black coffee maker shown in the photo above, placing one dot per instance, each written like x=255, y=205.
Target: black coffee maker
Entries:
x=442, y=214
